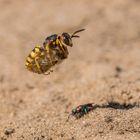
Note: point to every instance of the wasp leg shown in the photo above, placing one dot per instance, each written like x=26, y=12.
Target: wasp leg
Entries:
x=48, y=72
x=49, y=55
x=50, y=59
x=61, y=45
x=37, y=64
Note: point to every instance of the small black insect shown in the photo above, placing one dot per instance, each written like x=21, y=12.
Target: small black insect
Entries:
x=81, y=110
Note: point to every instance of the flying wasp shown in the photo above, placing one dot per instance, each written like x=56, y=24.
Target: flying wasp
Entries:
x=54, y=51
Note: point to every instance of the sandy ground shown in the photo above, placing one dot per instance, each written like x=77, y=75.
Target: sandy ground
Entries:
x=103, y=66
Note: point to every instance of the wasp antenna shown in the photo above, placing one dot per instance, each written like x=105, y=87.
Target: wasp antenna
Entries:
x=75, y=36
x=69, y=117
x=78, y=31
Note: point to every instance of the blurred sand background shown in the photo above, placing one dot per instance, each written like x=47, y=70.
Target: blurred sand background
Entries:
x=103, y=66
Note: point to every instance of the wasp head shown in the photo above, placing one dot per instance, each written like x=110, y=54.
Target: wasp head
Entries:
x=74, y=111
x=67, y=38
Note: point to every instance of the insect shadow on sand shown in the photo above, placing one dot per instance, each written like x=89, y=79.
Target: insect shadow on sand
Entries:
x=117, y=105
x=82, y=110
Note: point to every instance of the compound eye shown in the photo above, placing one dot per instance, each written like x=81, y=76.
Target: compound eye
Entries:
x=74, y=111
x=66, y=40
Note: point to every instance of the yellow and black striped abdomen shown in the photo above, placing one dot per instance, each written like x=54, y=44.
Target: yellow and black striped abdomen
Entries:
x=34, y=53
x=36, y=60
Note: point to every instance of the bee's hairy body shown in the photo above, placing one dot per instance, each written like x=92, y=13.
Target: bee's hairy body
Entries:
x=53, y=51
